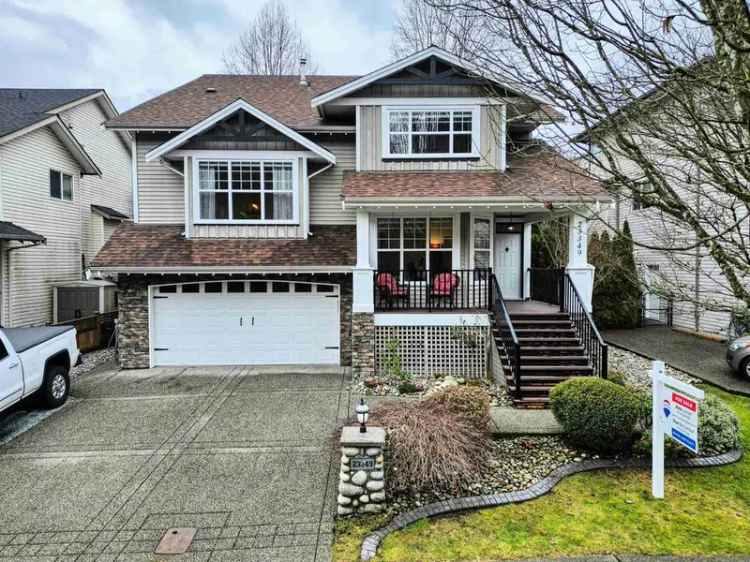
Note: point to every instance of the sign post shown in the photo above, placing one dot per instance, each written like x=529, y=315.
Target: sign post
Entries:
x=675, y=414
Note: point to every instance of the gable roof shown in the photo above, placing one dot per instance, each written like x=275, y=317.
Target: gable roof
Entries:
x=431, y=51
x=22, y=107
x=281, y=97
x=238, y=105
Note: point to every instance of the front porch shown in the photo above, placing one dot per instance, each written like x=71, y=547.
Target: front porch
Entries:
x=426, y=278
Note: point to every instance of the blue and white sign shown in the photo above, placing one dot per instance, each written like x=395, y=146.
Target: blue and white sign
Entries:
x=675, y=414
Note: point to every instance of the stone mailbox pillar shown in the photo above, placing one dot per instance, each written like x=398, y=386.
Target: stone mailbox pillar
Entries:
x=362, y=475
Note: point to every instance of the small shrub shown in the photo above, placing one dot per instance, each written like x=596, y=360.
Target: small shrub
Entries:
x=408, y=387
x=718, y=431
x=430, y=448
x=617, y=377
x=595, y=413
x=469, y=401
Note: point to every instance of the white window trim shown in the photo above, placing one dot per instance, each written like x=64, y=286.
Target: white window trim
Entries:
x=476, y=149
x=454, y=249
x=488, y=217
x=196, y=191
x=72, y=186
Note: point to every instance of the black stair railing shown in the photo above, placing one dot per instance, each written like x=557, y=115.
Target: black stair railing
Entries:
x=546, y=284
x=419, y=289
x=511, y=347
x=586, y=330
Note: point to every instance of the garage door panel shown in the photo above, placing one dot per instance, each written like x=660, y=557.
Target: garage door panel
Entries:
x=245, y=328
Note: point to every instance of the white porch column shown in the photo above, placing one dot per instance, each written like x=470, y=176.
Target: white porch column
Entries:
x=363, y=298
x=581, y=272
x=527, y=260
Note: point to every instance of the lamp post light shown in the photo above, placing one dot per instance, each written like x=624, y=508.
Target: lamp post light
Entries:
x=363, y=413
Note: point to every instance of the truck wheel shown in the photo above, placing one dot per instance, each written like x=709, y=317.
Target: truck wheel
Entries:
x=55, y=388
x=745, y=368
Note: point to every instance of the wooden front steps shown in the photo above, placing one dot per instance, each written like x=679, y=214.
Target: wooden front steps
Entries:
x=550, y=354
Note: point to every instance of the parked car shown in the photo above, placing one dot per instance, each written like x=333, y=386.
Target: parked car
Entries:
x=36, y=361
x=738, y=355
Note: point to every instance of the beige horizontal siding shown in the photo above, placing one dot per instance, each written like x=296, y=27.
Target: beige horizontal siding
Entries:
x=325, y=188
x=30, y=273
x=161, y=198
x=113, y=189
x=371, y=145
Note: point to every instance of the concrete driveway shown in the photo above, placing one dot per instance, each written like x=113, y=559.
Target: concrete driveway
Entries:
x=243, y=455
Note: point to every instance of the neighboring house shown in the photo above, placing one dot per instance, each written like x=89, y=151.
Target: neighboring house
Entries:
x=294, y=219
x=64, y=186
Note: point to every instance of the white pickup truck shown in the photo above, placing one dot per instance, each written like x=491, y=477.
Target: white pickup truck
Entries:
x=36, y=361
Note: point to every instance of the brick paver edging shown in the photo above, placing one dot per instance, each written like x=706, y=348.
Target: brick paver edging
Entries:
x=373, y=540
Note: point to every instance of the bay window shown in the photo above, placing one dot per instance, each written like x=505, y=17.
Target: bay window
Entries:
x=414, y=245
x=246, y=191
x=430, y=133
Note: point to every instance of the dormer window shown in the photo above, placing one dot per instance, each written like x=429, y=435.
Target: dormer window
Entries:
x=246, y=191
x=431, y=132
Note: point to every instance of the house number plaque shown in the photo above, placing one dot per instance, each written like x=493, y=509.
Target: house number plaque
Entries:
x=362, y=462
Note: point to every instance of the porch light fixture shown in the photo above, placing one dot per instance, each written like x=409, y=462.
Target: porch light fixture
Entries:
x=363, y=413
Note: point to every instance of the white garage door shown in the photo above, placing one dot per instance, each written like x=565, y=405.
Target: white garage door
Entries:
x=245, y=323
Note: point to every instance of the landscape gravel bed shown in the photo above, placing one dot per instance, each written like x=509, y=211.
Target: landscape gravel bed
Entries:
x=637, y=369
x=92, y=360
x=516, y=464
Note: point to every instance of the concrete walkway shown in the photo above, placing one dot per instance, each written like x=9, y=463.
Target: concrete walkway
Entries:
x=241, y=455
x=701, y=358
x=516, y=421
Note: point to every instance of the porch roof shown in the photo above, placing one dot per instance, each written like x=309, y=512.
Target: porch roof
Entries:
x=163, y=248
x=541, y=176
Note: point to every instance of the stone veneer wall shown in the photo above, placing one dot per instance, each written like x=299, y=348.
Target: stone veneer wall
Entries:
x=363, y=344
x=133, y=310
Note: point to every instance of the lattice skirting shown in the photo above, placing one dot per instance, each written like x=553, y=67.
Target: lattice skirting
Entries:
x=428, y=351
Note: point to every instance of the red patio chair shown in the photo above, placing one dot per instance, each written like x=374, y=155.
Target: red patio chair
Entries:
x=389, y=288
x=444, y=285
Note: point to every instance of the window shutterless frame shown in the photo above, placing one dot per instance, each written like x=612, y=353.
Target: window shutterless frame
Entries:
x=451, y=132
x=196, y=190
x=60, y=185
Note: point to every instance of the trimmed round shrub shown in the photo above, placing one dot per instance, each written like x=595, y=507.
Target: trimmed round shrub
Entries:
x=718, y=431
x=431, y=448
x=596, y=414
x=470, y=402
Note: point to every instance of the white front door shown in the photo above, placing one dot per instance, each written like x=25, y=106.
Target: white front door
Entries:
x=246, y=323
x=508, y=264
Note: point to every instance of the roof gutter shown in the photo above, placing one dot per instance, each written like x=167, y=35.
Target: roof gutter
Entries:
x=223, y=270
x=425, y=203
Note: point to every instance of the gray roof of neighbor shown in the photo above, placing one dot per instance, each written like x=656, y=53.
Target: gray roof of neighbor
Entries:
x=10, y=231
x=21, y=107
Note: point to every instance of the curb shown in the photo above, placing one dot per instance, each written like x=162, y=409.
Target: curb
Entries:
x=372, y=541
x=719, y=385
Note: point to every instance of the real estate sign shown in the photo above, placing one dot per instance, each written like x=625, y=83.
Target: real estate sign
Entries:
x=675, y=414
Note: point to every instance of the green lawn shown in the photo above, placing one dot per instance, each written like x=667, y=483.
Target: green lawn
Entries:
x=706, y=511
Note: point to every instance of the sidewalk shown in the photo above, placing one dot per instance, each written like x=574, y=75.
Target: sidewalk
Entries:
x=698, y=357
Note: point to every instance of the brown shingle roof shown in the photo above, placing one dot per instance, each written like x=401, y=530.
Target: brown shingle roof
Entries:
x=138, y=245
x=543, y=175
x=282, y=97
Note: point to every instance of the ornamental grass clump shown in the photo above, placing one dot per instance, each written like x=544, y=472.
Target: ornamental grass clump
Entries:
x=596, y=414
x=469, y=401
x=431, y=449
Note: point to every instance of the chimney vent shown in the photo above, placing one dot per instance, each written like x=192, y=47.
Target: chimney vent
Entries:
x=302, y=76
x=210, y=90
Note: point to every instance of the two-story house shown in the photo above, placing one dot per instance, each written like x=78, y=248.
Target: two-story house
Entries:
x=64, y=187
x=318, y=219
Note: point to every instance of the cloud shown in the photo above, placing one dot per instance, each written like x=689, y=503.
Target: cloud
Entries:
x=139, y=49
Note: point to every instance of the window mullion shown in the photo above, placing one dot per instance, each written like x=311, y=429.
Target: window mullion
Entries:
x=229, y=190
x=262, y=190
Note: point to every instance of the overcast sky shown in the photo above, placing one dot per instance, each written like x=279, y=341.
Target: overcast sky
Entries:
x=136, y=49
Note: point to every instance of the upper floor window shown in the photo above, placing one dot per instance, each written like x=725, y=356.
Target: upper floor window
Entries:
x=246, y=191
x=60, y=185
x=431, y=133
